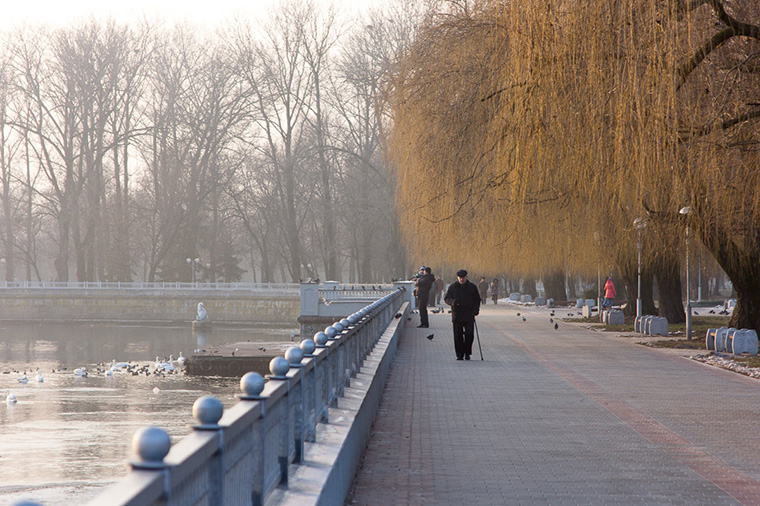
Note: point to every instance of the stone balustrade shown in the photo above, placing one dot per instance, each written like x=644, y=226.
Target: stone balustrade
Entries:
x=282, y=427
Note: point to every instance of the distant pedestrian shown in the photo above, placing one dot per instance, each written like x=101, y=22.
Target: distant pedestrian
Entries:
x=609, y=294
x=495, y=291
x=424, y=285
x=483, y=289
x=438, y=290
x=464, y=299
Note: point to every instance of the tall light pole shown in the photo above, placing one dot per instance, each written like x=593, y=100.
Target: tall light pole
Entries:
x=686, y=211
x=597, y=240
x=192, y=263
x=640, y=224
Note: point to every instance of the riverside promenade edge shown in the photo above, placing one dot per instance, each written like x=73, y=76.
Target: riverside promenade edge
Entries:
x=565, y=416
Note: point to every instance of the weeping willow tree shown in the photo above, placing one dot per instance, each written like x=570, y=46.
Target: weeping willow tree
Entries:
x=529, y=136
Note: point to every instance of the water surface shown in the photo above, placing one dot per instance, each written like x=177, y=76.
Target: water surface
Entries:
x=68, y=436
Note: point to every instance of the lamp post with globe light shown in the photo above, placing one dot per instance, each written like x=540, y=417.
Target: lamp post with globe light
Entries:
x=640, y=224
x=597, y=240
x=686, y=211
x=192, y=263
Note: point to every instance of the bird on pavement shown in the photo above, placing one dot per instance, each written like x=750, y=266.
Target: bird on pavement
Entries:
x=430, y=337
x=518, y=314
x=551, y=320
x=523, y=318
x=556, y=326
x=397, y=315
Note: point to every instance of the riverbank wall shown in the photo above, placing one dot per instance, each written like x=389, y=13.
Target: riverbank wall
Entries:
x=130, y=306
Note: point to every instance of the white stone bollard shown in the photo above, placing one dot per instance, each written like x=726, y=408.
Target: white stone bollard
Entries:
x=710, y=339
x=579, y=303
x=616, y=317
x=647, y=320
x=658, y=325
x=586, y=311
x=720, y=338
x=730, y=340
x=745, y=341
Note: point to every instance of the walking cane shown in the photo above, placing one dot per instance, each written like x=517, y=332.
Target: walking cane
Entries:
x=478, y=335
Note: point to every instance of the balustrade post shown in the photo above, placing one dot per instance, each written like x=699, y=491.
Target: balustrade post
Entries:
x=310, y=392
x=323, y=377
x=294, y=356
x=207, y=411
x=252, y=384
x=279, y=367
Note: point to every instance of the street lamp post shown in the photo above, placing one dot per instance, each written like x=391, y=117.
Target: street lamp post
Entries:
x=597, y=240
x=686, y=211
x=192, y=263
x=640, y=224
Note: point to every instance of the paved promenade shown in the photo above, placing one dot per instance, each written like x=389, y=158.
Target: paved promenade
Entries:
x=566, y=416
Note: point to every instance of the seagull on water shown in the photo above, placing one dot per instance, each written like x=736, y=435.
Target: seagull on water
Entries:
x=10, y=398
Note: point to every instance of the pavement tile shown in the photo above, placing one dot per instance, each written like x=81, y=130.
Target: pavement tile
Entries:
x=568, y=416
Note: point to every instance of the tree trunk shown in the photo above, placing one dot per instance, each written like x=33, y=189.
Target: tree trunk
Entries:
x=554, y=284
x=667, y=271
x=746, y=313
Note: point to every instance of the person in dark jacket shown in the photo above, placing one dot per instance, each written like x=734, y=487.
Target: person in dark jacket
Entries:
x=424, y=286
x=464, y=299
x=483, y=289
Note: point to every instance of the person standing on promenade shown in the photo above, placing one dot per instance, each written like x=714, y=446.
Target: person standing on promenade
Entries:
x=609, y=294
x=464, y=299
x=483, y=289
x=495, y=290
x=424, y=286
x=438, y=290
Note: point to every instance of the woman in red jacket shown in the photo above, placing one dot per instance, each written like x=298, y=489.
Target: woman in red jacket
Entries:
x=609, y=294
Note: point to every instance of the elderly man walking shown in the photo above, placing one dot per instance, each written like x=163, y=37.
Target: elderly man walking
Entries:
x=464, y=299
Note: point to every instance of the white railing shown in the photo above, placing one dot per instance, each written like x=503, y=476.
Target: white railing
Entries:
x=243, y=455
x=144, y=285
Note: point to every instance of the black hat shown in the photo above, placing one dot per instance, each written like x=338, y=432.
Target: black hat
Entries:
x=461, y=273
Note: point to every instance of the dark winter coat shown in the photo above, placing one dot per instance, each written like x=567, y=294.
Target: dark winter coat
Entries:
x=423, y=286
x=464, y=300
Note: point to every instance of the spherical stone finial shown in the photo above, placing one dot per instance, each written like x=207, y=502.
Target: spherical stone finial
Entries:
x=338, y=327
x=207, y=411
x=251, y=384
x=308, y=346
x=345, y=323
x=151, y=444
x=320, y=338
x=279, y=367
x=353, y=319
x=330, y=331
x=294, y=355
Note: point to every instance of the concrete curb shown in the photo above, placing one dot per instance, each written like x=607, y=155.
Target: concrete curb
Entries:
x=329, y=465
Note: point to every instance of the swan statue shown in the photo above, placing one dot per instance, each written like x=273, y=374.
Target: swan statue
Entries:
x=201, y=315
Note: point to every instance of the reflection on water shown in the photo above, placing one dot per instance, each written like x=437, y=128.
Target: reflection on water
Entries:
x=73, y=430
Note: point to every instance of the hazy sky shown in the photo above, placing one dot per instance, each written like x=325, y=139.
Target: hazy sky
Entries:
x=207, y=12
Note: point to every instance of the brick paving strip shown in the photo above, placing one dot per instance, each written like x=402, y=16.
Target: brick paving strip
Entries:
x=737, y=484
x=567, y=416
